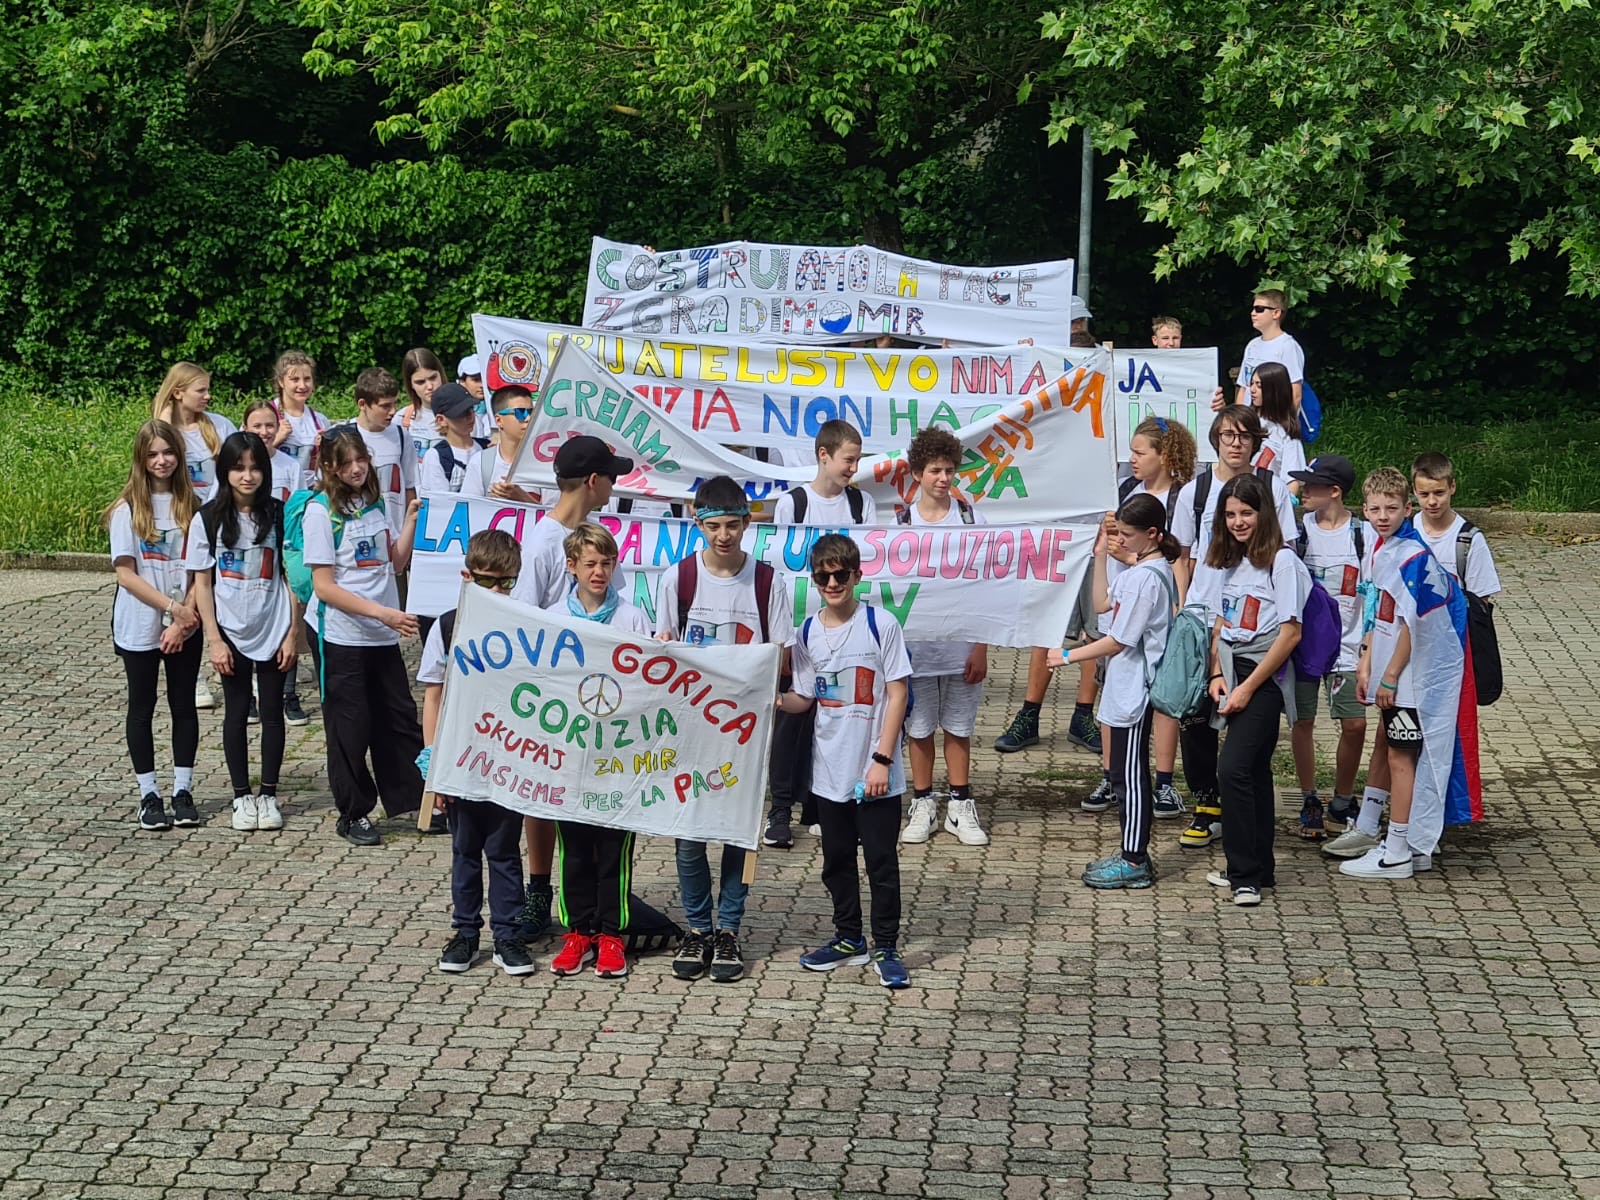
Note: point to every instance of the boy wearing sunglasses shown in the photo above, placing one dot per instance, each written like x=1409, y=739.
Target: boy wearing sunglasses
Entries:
x=1271, y=344
x=850, y=661
x=511, y=407
x=718, y=597
x=479, y=830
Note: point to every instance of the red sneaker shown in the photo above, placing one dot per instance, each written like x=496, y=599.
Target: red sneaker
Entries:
x=612, y=961
x=577, y=952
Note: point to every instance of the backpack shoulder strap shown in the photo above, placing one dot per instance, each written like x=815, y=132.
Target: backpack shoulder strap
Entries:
x=1302, y=540
x=1359, y=538
x=447, y=629
x=857, y=503
x=798, y=496
x=624, y=505
x=486, y=463
x=764, y=597
x=688, y=579
x=1264, y=474
x=1464, y=550
x=872, y=623
x=447, y=457
x=965, y=510
x=902, y=516
x=805, y=633
x=1202, y=490
x=1172, y=502
x=1125, y=489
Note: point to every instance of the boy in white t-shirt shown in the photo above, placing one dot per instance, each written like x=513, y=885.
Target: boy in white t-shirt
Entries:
x=394, y=462
x=946, y=677
x=850, y=661
x=720, y=596
x=512, y=406
x=1333, y=545
x=469, y=374
x=1271, y=344
x=1455, y=542
x=444, y=466
x=832, y=502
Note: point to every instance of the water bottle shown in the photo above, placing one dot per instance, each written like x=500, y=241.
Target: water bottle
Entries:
x=860, y=790
x=175, y=594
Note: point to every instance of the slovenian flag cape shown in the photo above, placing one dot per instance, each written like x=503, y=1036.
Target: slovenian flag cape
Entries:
x=1433, y=606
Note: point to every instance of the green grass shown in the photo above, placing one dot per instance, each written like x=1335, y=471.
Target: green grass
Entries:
x=67, y=458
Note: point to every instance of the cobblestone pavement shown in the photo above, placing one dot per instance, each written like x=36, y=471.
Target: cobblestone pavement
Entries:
x=204, y=1013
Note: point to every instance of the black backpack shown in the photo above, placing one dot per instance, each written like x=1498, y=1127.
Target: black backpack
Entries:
x=447, y=458
x=1302, y=541
x=689, y=580
x=902, y=515
x=852, y=495
x=1202, y=492
x=1125, y=489
x=1481, y=635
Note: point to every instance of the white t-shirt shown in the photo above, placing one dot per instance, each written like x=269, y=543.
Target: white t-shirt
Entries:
x=1385, y=633
x=1205, y=583
x=543, y=580
x=640, y=506
x=1280, y=452
x=941, y=657
x=1115, y=567
x=286, y=475
x=395, y=467
x=830, y=513
x=1255, y=602
x=431, y=477
x=422, y=428
x=724, y=612
x=248, y=587
x=134, y=624
x=1332, y=561
x=476, y=485
x=848, y=671
x=202, y=462
x=1482, y=578
x=1281, y=349
x=360, y=565
x=1141, y=618
x=301, y=444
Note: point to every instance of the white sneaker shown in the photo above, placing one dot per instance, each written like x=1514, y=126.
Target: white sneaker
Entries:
x=1421, y=862
x=245, y=814
x=1219, y=879
x=1371, y=866
x=920, y=823
x=267, y=814
x=202, y=695
x=814, y=830
x=961, y=819
x=1352, y=843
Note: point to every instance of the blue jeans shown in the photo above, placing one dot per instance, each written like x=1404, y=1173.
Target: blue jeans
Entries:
x=694, y=883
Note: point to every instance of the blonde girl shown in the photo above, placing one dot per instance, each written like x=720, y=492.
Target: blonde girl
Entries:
x=353, y=551
x=154, y=619
x=183, y=400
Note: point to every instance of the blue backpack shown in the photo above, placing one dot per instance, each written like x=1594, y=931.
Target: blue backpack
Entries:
x=1310, y=413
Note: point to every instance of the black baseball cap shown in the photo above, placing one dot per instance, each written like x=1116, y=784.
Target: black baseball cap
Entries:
x=1329, y=470
x=452, y=400
x=583, y=456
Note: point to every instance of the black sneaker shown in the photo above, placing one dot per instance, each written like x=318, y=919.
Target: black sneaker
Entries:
x=694, y=955
x=1021, y=733
x=151, y=815
x=535, y=919
x=459, y=954
x=1085, y=732
x=252, y=715
x=293, y=714
x=778, y=832
x=439, y=822
x=359, y=831
x=184, y=815
x=513, y=958
x=727, y=964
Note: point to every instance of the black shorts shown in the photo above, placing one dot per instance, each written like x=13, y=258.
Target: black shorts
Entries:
x=1402, y=729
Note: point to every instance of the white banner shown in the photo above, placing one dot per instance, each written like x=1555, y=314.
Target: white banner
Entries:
x=1176, y=385
x=573, y=721
x=998, y=584
x=760, y=394
x=776, y=293
x=1043, y=458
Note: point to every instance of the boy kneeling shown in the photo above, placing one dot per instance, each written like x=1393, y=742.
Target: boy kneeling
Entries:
x=850, y=660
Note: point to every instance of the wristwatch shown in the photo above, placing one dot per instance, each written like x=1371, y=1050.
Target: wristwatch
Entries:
x=883, y=760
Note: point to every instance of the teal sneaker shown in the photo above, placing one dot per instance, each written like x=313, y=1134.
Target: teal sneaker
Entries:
x=1118, y=872
x=891, y=969
x=841, y=952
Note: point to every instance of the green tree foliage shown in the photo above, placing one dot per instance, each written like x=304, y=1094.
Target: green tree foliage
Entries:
x=1306, y=133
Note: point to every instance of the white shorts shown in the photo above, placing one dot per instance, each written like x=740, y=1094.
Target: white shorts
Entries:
x=945, y=702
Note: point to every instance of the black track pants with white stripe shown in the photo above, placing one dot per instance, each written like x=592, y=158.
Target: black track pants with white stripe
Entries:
x=1130, y=778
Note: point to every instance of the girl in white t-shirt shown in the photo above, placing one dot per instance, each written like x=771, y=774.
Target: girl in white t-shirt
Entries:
x=261, y=419
x=1140, y=600
x=421, y=374
x=356, y=625
x=182, y=401
x=1272, y=395
x=1261, y=597
x=153, y=618
x=294, y=379
x=236, y=556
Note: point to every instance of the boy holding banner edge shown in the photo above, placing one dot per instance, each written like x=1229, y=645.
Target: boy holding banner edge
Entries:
x=720, y=596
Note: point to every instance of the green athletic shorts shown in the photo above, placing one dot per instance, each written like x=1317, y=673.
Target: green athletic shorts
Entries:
x=1341, y=691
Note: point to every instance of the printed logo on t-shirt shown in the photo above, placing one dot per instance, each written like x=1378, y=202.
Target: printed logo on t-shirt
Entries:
x=1385, y=608
x=253, y=562
x=852, y=687
x=371, y=551
x=1267, y=457
x=168, y=547
x=1242, y=612
x=392, y=487
x=1340, y=579
x=202, y=472
x=719, y=633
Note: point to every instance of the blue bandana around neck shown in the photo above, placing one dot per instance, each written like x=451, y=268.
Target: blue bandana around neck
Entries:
x=603, y=614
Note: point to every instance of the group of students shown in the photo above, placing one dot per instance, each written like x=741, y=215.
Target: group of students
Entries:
x=199, y=534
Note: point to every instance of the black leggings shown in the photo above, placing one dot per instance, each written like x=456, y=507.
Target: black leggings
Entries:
x=1244, y=772
x=143, y=668
x=236, y=711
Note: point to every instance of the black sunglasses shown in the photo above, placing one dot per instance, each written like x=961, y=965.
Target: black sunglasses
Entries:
x=1263, y=308
x=824, y=578
x=503, y=583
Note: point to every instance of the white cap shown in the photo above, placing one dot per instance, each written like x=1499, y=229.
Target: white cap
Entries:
x=1079, y=311
x=469, y=366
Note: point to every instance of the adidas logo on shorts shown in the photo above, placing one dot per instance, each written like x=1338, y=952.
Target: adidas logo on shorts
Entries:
x=1402, y=726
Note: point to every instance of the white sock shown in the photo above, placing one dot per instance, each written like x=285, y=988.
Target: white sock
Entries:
x=182, y=777
x=1372, y=802
x=1395, y=847
x=147, y=783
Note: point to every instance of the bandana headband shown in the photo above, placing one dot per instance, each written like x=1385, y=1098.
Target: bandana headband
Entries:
x=708, y=514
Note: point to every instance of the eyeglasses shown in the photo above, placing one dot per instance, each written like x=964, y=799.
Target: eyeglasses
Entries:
x=521, y=414
x=1234, y=435
x=495, y=583
x=825, y=578
x=1260, y=308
